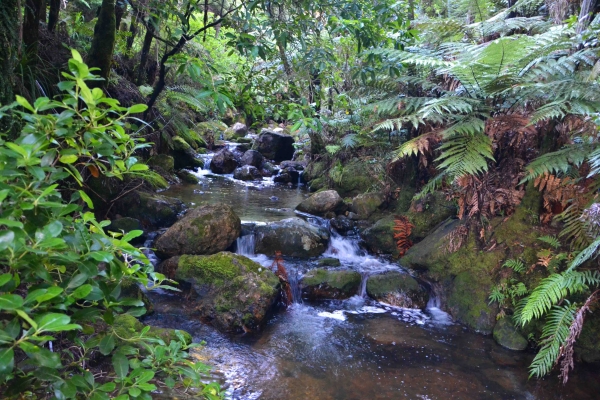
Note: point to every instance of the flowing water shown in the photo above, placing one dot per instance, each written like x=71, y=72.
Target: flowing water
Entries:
x=352, y=349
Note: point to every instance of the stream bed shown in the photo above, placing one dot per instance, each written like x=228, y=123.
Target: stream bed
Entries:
x=351, y=349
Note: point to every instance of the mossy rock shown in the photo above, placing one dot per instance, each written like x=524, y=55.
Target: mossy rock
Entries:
x=235, y=293
x=151, y=209
x=329, y=262
x=244, y=140
x=293, y=237
x=203, y=230
x=468, y=301
x=187, y=177
x=587, y=346
x=162, y=161
x=379, y=238
x=315, y=170
x=355, y=179
x=322, y=203
x=325, y=284
x=366, y=204
x=397, y=289
x=184, y=155
x=317, y=184
x=427, y=214
x=179, y=144
x=126, y=326
x=508, y=336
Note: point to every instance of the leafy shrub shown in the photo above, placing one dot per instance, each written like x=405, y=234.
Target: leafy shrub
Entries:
x=61, y=275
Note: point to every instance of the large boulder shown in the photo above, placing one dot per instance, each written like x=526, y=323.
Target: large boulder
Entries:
x=247, y=173
x=162, y=162
x=468, y=302
x=235, y=293
x=342, y=224
x=287, y=175
x=294, y=237
x=322, y=203
x=151, y=209
x=184, y=156
x=238, y=130
x=297, y=165
x=224, y=162
x=274, y=145
x=507, y=335
x=254, y=158
x=325, y=284
x=366, y=204
x=398, y=289
x=204, y=230
x=379, y=238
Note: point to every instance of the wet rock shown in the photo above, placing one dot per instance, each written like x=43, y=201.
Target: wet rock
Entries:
x=366, y=204
x=397, y=289
x=151, y=209
x=187, y=177
x=294, y=237
x=468, y=302
x=247, y=173
x=244, y=140
x=235, y=293
x=204, y=230
x=288, y=175
x=506, y=335
x=184, y=156
x=224, y=162
x=162, y=161
x=297, y=165
x=238, y=130
x=322, y=203
x=254, y=158
x=324, y=284
x=424, y=254
x=126, y=326
x=329, y=262
x=274, y=145
x=353, y=216
x=355, y=179
x=379, y=238
x=269, y=169
x=342, y=224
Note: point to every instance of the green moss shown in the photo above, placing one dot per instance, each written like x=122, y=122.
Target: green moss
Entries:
x=215, y=269
x=468, y=301
x=380, y=285
x=180, y=145
x=355, y=179
x=404, y=199
x=342, y=280
x=187, y=177
x=506, y=335
x=329, y=262
x=163, y=161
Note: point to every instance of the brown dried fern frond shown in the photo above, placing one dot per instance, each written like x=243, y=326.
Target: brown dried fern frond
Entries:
x=402, y=230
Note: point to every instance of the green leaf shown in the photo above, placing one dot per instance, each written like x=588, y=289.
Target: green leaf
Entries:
x=10, y=302
x=82, y=291
x=107, y=344
x=120, y=364
x=11, y=223
x=22, y=101
x=45, y=358
x=87, y=199
x=134, y=392
x=42, y=295
x=107, y=387
x=7, y=361
x=6, y=239
x=68, y=159
x=4, y=279
x=54, y=322
x=137, y=108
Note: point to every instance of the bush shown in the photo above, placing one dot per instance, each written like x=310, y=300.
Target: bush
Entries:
x=61, y=274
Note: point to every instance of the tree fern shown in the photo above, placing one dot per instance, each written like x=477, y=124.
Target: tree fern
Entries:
x=556, y=162
x=465, y=155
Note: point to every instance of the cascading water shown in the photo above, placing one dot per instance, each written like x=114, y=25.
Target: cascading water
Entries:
x=245, y=245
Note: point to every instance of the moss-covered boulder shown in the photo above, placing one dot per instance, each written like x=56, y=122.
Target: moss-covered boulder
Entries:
x=124, y=224
x=184, y=156
x=353, y=179
x=126, y=326
x=163, y=161
x=325, y=284
x=507, y=335
x=379, y=238
x=314, y=170
x=275, y=146
x=366, y=204
x=468, y=302
x=398, y=289
x=203, y=230
x=428, y=254
x=342, y=224
x=322, y=203
x=587, y=346
x=187, y=177
x=237, y=130
x=428, y=213
x=329, y=262
x=151, y=209
x=293, y=237
x=235, y=293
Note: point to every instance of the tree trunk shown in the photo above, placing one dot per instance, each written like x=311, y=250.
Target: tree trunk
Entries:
x=585, y=15
x=103, y=42
x=53, y=15
x=141, y=78
x=9, y=44
x=31, y=26
x=132, y=31
x=120, y=9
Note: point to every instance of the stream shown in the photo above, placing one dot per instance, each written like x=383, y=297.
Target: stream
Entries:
x=351, y=349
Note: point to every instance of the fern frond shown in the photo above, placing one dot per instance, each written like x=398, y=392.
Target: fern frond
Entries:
x=551, y=240
x=153, y=178
x=585, y=254
x=515, y=265
x=556, y=162
x=555, y=333
x=465, y=155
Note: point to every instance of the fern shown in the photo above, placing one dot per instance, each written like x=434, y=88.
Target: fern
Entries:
x=465, y=155
x=515, y=265
x=556, y=162
x=585, y=254
x=551, y=240
x=554, y=335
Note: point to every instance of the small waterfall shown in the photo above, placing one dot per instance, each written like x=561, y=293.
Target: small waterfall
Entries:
x=207, y=160
x=300, y=177
x=362, y=290
x=433, y=308
x=245, y=245
x=294, y=279
x=148, y=252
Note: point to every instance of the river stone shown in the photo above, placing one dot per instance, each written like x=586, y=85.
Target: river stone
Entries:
x=294, y=237
x=152, y=210
x=468, y=302
x=297, y=165
x=379, y=238
x=247, y=173
x=235, y=293
x=274, y=145
x=324, y=284
x=366, y=204
x=397, y=289
x=287, y=175
x=184, y=156
x=342, y=224
x=253, y=157
x=239, y=130
x=506, y=335
x=321, y=203
x=329, y=262
x=269, y=169
x=187, y=177
x=204, y=230
x=223, y=162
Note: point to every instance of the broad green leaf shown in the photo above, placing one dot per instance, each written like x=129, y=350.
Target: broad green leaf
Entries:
x=11, y=223
x=107, y=344
x=55, y=322
x=22, y=101
x=137, y=108
x=4, y=278
x=87, y=199
x=42, y=295
x=68, y=159
x=120, y=364
x=134, y=392
x=6, y=239
x=82, y=291
x=7, y=361
x=10, y=302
